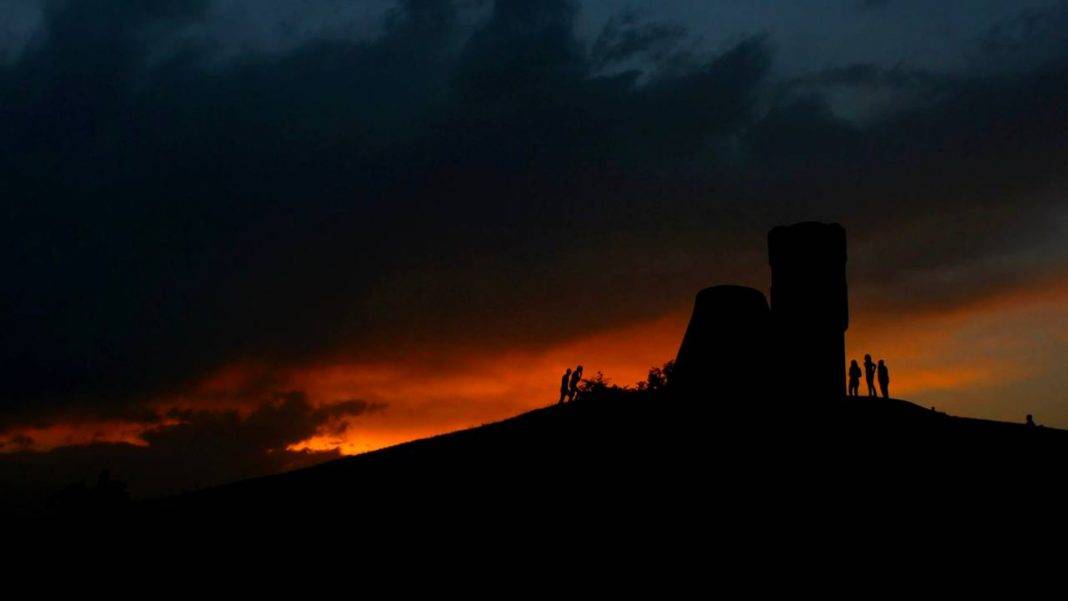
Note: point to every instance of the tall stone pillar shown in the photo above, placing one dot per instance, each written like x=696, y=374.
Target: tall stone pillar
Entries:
x=809, y=308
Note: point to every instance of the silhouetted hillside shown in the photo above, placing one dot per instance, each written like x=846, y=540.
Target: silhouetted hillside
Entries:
x=748, y=428
x=650, y=457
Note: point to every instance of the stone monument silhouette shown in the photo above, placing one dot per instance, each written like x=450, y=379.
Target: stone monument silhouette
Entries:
x=810, y=306
x=734, y=343
x=726, y=341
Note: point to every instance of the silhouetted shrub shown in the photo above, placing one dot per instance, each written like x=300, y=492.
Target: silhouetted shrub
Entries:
x=596, y=385
x=659, y=378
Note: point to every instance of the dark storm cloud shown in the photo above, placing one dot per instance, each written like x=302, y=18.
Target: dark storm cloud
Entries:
x=627, y=36
x=969, y=165
x=191, y=450
x=20, y=21
x=257, y=440
x=149, y=204
x=168, y=213
x=1034, y=37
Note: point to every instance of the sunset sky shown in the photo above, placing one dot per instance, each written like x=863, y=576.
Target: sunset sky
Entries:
x=242, y=236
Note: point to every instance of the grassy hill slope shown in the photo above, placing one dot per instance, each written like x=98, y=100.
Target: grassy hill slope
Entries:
x=627, y=457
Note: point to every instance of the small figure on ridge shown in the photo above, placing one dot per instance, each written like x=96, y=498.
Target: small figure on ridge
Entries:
x=869, y=374
x=884, y=379
x=854, y=378
x=576, y=377
x=565, y=381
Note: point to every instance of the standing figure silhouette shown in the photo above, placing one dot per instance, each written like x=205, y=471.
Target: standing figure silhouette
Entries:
x=565, y=382
x=854, y=378
x=869, y=374
x=576, y=377
x=884, y=379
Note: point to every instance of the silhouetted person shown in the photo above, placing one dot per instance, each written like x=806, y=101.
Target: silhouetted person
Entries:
x=884, y=378
x=576, y=377
x=854, y=378
x=869, y=374
x=565, y=383
x=1030, y=421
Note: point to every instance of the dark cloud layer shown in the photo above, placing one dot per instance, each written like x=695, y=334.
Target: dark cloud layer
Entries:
x=187, y=450
x=166, y=214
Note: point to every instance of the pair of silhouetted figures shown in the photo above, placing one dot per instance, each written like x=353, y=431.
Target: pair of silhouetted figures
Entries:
x=871, y=372
x=569, y=384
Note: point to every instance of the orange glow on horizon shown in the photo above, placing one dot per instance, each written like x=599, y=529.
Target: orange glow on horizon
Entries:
x=480, y=389
x=69, y=433
x=981, y=348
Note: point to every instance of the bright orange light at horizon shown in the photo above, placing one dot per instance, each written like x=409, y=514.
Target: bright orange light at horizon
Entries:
x=479, y=389
x=965, y=360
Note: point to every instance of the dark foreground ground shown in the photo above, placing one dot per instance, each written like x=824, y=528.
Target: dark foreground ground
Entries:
x=649, y=462
x=680, y=495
